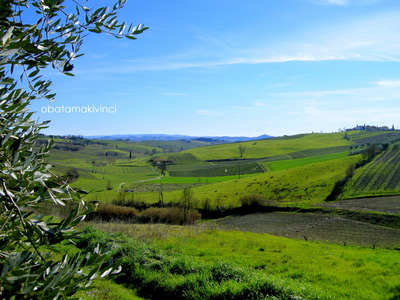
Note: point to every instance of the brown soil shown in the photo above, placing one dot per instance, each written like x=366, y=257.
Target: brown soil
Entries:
x=315, y=227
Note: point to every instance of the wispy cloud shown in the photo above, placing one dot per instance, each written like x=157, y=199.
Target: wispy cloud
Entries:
x=374, y=38
x=344, y=2
x=259, y=104
x=331, y=2
x=365, y=39
x=318, y=94
x=206, y=112
x=388, y=83
x=254, y=105
x=370, y=38
x=378, y=115
x=383, y=90
x=175, y=94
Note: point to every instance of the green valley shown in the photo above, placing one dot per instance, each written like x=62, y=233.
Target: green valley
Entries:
x=304, y=187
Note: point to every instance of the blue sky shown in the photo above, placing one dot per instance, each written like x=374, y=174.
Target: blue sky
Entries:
x=237, y=67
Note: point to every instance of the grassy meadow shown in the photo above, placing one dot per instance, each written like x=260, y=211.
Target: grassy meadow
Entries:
x=291, y=268
x=344, y=248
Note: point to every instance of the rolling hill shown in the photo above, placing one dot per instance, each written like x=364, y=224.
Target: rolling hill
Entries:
x=300, y=169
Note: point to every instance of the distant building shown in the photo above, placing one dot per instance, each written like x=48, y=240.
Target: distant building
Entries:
x=371, y=128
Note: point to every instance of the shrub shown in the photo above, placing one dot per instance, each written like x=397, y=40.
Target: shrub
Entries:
x=72, y=175
x=109, y=212
x=109, y=186
x=131, y=203
x=170, y=215
x=252, y=200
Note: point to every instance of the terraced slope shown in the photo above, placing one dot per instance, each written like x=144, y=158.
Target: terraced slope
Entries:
x=208, y=169
x=123, y=169
x=379, y=177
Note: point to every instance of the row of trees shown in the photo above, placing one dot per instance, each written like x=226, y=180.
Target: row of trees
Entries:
x=35, y=35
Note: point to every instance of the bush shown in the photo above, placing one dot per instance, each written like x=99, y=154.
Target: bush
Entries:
x=72, y=175
x=252, y=200
x=108, y=212
x=109, y=186
x=131, y=203
x=170, y=215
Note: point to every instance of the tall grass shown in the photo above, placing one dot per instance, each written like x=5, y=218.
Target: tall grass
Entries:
x=170, y=215
x=211, y=264
x=342, y=272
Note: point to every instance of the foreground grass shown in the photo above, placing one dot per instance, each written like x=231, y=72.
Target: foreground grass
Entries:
x=107, y=289
x=325, y=271
x=168, y=274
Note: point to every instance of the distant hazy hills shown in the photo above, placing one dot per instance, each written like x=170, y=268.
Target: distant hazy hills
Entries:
x=168, y=137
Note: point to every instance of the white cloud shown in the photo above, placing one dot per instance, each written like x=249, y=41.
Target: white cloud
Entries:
x=345, y=2
x=339, y=2
x=254, y=105
x=318, y=94
x=388, y=83
x=173, y=94
x=206, y=112
x=365, y=39
x=373, y=38
x=335, y=2
x=372, y=114
x=383, y=91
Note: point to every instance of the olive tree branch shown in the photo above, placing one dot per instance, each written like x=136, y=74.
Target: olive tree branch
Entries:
x=16, y=207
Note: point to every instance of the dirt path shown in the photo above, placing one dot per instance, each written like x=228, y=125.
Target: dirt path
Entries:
x=151, y=179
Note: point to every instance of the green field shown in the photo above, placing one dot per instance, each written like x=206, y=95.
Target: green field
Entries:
x=271, y=147
x=307, y=184
x=293, y=163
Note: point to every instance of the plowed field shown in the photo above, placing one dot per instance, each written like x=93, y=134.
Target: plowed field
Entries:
x=315, y=227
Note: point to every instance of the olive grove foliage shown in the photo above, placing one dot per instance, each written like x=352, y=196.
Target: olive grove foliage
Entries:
x=35, y=35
